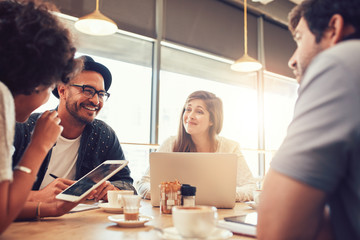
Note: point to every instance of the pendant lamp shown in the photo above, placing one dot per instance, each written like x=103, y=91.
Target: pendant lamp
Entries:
x=96, y=23
x=246, y=63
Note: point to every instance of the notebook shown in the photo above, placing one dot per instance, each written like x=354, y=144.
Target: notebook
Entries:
x=240, y=224
x=213, y=175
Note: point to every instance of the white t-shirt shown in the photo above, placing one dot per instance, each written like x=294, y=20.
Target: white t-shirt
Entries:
x=7, y=130
x=63, y=160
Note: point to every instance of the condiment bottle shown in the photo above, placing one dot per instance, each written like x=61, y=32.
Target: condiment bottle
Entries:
x=188, y=195
x=169, y=196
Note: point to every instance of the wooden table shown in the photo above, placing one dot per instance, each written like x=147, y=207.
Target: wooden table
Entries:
x=94, y=224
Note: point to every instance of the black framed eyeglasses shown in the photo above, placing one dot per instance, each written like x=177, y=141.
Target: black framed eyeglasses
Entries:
x=90, y=92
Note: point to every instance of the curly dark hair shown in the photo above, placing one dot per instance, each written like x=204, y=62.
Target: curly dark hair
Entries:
x=318, y=13
x=35, y=48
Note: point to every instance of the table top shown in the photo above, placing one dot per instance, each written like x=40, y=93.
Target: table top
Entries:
x=94, y=224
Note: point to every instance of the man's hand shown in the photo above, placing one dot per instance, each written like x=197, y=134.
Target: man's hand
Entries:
x=49, y=193
x=101, y=191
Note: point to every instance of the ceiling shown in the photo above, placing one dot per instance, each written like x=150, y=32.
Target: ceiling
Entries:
x=276, y=10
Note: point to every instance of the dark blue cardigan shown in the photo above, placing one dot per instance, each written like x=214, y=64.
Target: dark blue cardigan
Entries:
x=98, y=143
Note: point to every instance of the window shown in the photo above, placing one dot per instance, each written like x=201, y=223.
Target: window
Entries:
x=238, y=93
x=279, y=101
x=128, y=109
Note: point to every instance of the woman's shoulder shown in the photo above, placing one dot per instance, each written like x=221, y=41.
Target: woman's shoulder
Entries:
x=4, y=90
x=226, y=144
x=6, y=99
x=227, y=141
x=167, y=145
x=170, y=139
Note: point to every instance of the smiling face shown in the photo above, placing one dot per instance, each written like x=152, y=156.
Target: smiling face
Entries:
x=80, y=107
x=306, y=50
x=26, y=104
x=196, y=118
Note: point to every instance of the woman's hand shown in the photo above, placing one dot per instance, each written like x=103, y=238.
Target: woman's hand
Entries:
x=47, y=130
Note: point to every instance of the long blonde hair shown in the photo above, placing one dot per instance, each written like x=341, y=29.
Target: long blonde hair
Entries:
x=214, y=106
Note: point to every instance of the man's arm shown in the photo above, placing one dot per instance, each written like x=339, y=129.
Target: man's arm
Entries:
x=48, y=193
x=289, y=209
x=122, y=179
x=107, y=147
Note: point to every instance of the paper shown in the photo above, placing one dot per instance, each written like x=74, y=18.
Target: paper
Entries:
x=238, y=228
x=84, y=207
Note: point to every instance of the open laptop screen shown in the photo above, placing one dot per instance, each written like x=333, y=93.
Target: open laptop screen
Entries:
x=213, y=175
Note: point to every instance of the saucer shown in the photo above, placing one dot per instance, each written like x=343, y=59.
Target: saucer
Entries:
x=251, y=204
x=171, y=233
x=119, y=219
x=107, y=208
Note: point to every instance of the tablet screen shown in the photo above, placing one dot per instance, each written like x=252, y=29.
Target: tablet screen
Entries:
x=92, y=180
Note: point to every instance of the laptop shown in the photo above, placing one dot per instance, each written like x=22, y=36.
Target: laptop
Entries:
x=213, y=175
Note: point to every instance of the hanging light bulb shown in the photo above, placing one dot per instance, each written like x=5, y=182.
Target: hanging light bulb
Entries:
x=96, y=23
x=246, y=63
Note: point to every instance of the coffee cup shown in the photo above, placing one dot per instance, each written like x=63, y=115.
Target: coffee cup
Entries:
x=114, y=197
x=256, y=196
x=122, y=193
x=195, y=221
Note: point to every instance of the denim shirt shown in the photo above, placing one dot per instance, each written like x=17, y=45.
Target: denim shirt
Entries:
x=98, y=143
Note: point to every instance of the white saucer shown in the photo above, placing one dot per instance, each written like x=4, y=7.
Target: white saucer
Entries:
x=107, y=208
x=172, y=234
x=119, y=219
x=251, y=204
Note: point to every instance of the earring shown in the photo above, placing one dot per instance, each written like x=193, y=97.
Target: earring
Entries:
x=36, y=90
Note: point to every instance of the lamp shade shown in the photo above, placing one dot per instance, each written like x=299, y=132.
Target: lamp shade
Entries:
x=246, y=64
x=96, y=24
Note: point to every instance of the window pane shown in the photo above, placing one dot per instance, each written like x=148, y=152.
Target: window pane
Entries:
x=128, y=104
x=239, y=101
x=127, y=110
x=280, y=97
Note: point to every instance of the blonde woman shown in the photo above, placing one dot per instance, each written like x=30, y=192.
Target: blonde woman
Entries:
x=200, y=124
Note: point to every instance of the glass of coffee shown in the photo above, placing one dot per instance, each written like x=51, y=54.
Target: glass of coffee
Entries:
x=131, y=207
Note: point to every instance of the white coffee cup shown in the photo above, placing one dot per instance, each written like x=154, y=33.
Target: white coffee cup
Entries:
x=256, y=196
x=114, y=197
x=194, y=222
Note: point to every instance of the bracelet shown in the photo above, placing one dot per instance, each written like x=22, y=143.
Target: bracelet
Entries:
x=38, y=216
x=23, y=169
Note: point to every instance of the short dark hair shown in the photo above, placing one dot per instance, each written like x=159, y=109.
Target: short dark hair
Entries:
x=35, y=48
x=318, y=13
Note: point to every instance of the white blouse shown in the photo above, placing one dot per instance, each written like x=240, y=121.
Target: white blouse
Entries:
x=245, y=181
x=7, y=130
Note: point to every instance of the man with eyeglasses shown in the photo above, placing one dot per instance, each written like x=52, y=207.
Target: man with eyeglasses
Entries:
x=85, y=142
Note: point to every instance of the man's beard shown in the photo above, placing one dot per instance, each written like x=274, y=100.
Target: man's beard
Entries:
x=74, y=113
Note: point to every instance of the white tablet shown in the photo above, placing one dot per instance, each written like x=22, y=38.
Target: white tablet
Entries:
x=92, y=180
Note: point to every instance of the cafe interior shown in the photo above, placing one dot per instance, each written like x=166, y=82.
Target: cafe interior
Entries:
x=160, y=51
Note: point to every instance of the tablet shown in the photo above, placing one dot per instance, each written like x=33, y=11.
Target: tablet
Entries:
x=241, y=224
x=248, y=219
x=92, y=180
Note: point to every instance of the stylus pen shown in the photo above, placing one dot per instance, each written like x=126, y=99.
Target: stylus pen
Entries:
x=53, y=175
